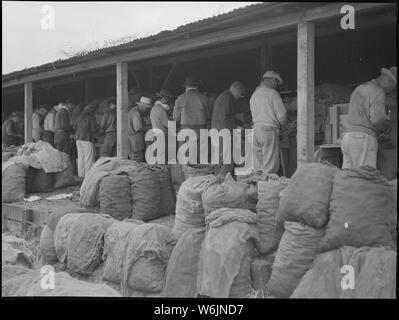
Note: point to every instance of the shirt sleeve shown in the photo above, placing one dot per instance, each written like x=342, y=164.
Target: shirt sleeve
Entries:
x=279, y=108
x=378, y=113
x=164, y=119
x=177, y=110
x=103, y=121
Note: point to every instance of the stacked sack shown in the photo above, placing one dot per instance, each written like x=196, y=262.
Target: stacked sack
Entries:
x=269, y=229
x=304, y=211
x=229, y=194
x=29, y=283
x=136, y=255
x=374, y=271
x=79, y=241
x=13, y=182
x=152, y=193
x=362, y=211
x=189, y=209
x=183, y=267
x=358, y=231
x=226, y=255
x=127, y=189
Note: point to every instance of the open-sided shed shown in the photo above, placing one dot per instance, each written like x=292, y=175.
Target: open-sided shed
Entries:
x=304, y=42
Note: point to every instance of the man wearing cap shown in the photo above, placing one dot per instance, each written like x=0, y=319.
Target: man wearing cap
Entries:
x=192, y=109
x=136, y=129
x=37, y=123
x=63, y=128
x=49, y=122
x=224, y=117
x=367, y=120
x=269, y=116
x=108, y=126
x=86, y=130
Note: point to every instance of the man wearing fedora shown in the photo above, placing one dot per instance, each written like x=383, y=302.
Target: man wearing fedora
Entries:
x=136, y=129
x=368, y=120
x=192, y=109
x=269, y=116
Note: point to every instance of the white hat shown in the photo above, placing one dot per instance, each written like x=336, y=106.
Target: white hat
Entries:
x=145, y=102
x=272, y=74
x=392, y=73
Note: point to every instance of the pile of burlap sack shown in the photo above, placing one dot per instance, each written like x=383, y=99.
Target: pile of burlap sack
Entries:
x=128, y=189
x=130, y=256
x=21, y=277
x=267, y=237
x=35, y=168
x=322, y=215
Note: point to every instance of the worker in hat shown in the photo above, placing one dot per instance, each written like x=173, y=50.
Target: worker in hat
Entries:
x=38, y=121
x=49, y=122
x=269, y=117
x=159, y=118
x=136, y=129
x=193, y=110
x=368, y=120
x=108, y=127
x=10, y=135
x=85, y=136
x=224, y=117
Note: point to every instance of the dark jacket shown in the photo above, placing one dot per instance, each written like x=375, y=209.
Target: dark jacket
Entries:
x=86, y=127
x=61, y=122
x=8, y=132
x=192, y=109
x=223, y=115
x=108, y=122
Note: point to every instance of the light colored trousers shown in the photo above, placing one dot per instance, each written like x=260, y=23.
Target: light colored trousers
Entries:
x=266, y=146
x=86, y=158
x=359, y=149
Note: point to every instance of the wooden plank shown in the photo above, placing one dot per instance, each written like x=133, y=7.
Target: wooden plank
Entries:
x=28, y=105
x=122, y=109
x=215, y=38
x=137, y=77
x=305, y=121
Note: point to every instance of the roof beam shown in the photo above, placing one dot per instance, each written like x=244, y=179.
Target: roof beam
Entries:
x=216, y=38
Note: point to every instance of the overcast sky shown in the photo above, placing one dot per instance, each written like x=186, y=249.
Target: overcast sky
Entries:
x=89, y=25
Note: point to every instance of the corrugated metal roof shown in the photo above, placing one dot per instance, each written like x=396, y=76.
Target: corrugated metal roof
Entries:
x=267, y=9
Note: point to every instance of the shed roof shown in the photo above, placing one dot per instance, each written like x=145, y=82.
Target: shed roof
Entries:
x=240, y=15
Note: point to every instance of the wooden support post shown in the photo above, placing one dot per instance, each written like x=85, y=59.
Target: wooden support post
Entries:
x=121, y=109
x=265, y=59
x=87, y=94
x=305, y=120
x=28, y=105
